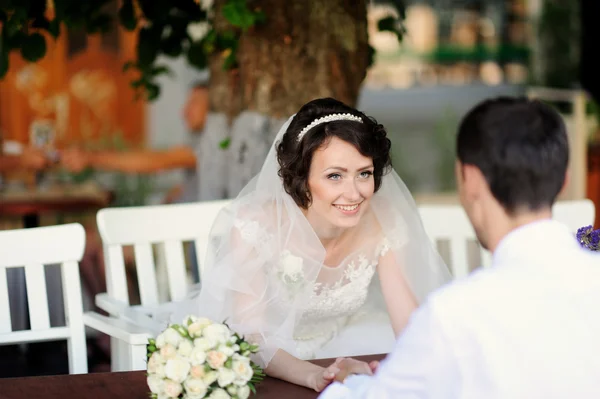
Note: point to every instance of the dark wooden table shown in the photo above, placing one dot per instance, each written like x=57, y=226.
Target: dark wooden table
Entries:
x=30, y=204
x=130, y=385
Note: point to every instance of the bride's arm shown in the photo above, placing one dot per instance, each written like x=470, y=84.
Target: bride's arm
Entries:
x=399, y=299
x=300, y=372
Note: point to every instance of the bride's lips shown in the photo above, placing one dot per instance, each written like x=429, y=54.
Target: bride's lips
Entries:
x=348, y=209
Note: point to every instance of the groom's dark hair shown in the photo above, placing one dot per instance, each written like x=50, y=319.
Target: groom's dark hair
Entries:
x=520, y=146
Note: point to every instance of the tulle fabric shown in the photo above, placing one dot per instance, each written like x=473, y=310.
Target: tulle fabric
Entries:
x=265, y=261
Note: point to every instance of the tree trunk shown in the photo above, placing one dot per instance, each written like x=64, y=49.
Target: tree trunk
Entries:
x=306, y=49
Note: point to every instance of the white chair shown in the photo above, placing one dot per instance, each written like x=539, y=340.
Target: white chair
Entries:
x=166, y=225
x=33, y=249
x=450, y=223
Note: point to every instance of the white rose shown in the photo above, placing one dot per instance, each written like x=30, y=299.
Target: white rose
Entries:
x=292, y=266
x=216, y=359
x=172, y=388
x=155, y=383
x=227, y=350
x=172, y=337
x=210, y=377
x=195, y=329
x=204, y=344
x=198, y=356
x=217, y=333
x=195, y=387
x=198, y=30
x=157, y=370
x=177, y=369
x=232, y=390
x=160, y=341
x=243, y=392
x=226, y=377
x=156, y=365
x=219, y=394
x=243, y=371
x=197, y=372
x=185, y=348
x=168, y=352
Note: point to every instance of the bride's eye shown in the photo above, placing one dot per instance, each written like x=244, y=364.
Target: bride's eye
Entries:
x=334, y=176
x=366, y=174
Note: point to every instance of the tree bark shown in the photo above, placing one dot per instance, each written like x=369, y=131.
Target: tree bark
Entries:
x=306, y=49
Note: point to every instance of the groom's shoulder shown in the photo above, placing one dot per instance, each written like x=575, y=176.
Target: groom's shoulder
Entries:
x=481, y=285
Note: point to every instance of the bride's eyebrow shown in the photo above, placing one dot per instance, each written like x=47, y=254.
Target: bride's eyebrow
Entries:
x=340, y=169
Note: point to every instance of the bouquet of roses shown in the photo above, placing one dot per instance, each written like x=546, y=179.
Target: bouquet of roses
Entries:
x=199, y=359
x=589, y=238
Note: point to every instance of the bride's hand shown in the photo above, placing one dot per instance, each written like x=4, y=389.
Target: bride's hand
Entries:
x=323, y=377
x=349, y=366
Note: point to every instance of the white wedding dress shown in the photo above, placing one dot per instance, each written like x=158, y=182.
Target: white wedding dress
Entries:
x=267, y=273
x=344, y=314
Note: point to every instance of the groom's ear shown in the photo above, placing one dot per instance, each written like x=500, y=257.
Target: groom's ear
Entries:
x=473, y=181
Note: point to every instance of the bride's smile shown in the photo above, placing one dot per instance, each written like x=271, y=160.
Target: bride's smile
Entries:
x=341, y=184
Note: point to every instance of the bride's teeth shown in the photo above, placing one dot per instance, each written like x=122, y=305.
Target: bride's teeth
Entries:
x=347, y=208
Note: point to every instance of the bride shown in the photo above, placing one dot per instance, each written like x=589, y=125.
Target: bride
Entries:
x=293, y=259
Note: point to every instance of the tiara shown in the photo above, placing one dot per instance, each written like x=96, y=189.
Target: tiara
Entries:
x=329, y=118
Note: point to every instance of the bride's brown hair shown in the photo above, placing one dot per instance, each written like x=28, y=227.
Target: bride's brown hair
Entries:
x=295, y=156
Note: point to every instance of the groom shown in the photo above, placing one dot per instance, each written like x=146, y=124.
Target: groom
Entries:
x=529, y=326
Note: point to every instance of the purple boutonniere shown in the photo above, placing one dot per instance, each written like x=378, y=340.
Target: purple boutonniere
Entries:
x=589, y=238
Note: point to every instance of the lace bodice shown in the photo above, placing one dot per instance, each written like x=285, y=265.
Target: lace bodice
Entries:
x=328, y=302
x=333, y=303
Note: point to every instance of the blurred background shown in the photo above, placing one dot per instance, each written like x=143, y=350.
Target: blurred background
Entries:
x=138, y=102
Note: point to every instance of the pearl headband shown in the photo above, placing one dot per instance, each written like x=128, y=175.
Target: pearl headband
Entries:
x=329, y=118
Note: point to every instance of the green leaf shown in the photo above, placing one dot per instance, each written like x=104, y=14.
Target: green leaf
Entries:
x=33, y=47
x=152, y=9
x=3, y=61
x=172, y=46
x=152, y=91
x=230, y=61
x=136, y=84
x=148, y=45
x=259, y=17
x=237, y=13
x=54, y=28
x=161, y=70
x=36, y=9
x=387, y=24
x=127, y=15
x=196, y=56
x=225, y=144
x=128, y=65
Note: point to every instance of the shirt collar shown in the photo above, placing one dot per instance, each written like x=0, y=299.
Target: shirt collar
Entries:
x=534, y=239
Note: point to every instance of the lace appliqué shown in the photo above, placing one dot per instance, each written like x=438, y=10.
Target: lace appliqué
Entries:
x=333, y=305
x=256, y=235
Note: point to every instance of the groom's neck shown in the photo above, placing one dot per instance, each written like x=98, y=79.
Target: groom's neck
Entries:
x=501, y=224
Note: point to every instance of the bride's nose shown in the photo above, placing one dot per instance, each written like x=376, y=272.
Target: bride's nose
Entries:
x=351, y=192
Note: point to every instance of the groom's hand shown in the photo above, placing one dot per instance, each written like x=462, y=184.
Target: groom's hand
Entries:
x=323, y=377
x=349, y=366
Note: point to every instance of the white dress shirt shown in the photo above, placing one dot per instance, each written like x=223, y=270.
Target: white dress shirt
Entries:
x=526, y=328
